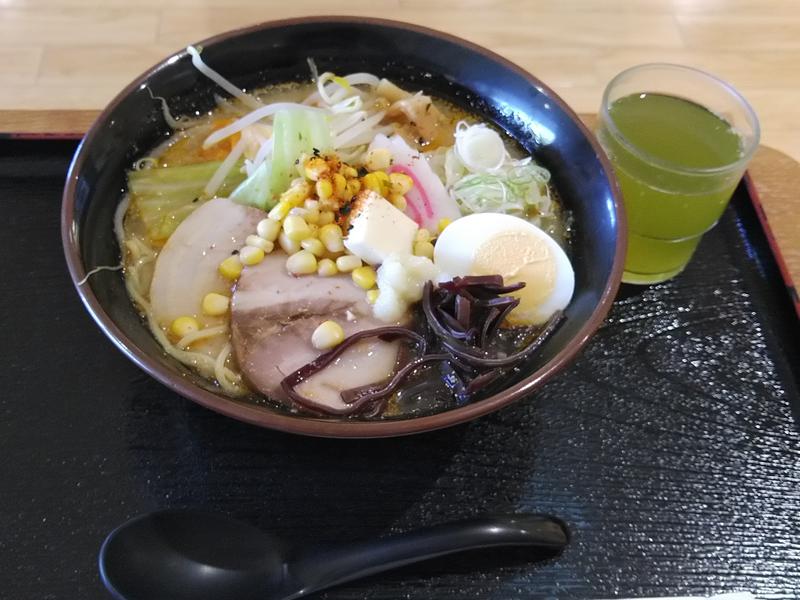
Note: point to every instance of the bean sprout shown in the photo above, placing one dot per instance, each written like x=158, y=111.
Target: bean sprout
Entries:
x=173, y=122
x=346, y=138
x=222, y=171
x=219, y=79
x=264, y=152
x=98, y=269
x=253, y=117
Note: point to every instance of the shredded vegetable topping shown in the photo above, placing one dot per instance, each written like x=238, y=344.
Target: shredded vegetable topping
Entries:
x=479, y=148
x=520, y=190
x=483, y=177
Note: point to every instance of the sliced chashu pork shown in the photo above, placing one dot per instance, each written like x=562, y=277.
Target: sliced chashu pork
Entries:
x=273, y=315
x=187, y=266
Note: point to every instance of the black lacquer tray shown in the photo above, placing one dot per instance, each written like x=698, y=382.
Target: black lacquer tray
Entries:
x=671, y=447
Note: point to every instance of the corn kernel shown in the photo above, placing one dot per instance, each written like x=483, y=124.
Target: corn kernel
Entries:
x=364, y=277
x=347, y=263
x=423, y=249
x=298, y=211
x=249, y=255
x=331, y=237
x=348, y=171
x=422, y=235
x=400, y=183
x=353, y=187
x=372, y=296
x=379, y=159
x=183, y=326
x=313, y=245
x=293, y=198
x=268, y=229
x=329, y=204
x=339, y=185
x=215, y=305
x=280, y=210
x=326, y=217
x=377, y=181
x=288, y=245
x=399, y=201
x=444, y=222
x=296, y=228
x=312, y=211
x=298, y=191
x=328, y=335
x=301, y=263
x=315, y=167
x=334, y=163
x=324, y=189
x=370, y=182
x=326, y=268
x=256, y=241
x=231, y=267
x=313, y=229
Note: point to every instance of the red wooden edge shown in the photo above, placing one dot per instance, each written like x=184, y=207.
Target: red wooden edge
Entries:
x=791, y=288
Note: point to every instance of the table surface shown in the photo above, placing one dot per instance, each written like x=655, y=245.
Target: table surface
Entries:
x=76, y=54
x=669, y=447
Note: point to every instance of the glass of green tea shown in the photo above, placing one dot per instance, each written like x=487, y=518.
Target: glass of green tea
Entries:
x=679, y=140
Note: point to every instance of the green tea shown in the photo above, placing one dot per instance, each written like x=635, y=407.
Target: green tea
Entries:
x=672, y=158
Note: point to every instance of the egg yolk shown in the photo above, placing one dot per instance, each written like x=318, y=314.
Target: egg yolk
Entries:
x=519, y=256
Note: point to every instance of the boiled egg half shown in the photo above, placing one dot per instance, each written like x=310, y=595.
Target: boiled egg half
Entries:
x=499, y=244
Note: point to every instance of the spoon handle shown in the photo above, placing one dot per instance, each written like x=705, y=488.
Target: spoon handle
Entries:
x=323, y=569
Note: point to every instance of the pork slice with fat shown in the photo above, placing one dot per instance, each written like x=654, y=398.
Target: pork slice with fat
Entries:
x=273, y=315
x=187, y=267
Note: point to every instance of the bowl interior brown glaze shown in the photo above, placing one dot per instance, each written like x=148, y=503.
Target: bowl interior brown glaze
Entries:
x=419, y=58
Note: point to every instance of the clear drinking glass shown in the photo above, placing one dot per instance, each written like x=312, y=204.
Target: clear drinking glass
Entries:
x=680, y=140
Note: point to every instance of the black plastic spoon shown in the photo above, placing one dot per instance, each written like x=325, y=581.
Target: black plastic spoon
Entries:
x=193, y=555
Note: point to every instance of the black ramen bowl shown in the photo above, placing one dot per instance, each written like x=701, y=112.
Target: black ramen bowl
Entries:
x=419, y=58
